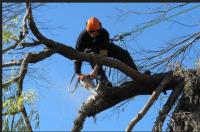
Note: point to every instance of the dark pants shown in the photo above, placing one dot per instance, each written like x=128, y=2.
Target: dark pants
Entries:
x=116, y=52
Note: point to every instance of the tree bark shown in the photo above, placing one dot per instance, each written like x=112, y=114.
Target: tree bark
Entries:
x=109, y=97
x=186, y=116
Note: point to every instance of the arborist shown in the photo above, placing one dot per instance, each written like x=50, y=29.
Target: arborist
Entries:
x=95, y=38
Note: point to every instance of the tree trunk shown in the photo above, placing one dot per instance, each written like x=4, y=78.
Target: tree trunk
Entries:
x=186, y=116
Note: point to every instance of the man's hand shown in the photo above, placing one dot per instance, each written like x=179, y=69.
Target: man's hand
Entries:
x=82, y=76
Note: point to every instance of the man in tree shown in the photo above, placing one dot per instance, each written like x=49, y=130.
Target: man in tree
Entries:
x=95, y=38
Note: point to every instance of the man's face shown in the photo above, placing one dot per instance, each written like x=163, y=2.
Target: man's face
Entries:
x=94, y=33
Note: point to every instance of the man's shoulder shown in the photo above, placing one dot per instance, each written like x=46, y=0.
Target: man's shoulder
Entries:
x=83, y=33
x=104, y=30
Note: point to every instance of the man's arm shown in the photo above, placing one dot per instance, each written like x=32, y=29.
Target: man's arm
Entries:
x=79, y=47
x=103, y=41
x=77, y=66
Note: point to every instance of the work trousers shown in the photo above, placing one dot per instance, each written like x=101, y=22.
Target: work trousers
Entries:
x=116, y=52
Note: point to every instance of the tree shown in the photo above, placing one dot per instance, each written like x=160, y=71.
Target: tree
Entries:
x=142, y=85
x=16, y=117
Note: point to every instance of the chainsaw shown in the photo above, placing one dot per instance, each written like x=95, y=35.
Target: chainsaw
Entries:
x=89, y=84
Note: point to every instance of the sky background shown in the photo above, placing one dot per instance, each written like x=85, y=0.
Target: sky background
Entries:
x=62, y=22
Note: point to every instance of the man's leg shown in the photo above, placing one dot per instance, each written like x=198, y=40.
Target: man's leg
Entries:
x=102, y=76
x=119, y=53
x=101, y=73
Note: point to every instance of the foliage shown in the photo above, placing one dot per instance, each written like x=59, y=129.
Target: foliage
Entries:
x=10, y=30
x=12, y=103
x=12, y=107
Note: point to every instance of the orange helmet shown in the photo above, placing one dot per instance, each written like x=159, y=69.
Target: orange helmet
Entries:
x=93, y=24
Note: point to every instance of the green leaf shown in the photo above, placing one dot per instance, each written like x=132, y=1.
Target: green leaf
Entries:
x=13, y=106
x=7, y=103
x=8, y=36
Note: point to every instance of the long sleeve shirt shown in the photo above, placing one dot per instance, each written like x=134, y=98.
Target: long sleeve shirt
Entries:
x=98, y=44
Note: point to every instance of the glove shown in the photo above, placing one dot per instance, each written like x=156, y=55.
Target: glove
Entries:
x=82, y=76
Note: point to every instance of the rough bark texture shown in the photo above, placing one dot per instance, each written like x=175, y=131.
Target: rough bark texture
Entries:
x=109, y=97
x=186, y=116
x=167, y=107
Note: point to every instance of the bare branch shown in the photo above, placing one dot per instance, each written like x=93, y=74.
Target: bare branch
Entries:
x=22, y=73
x=12, y=46
x=30, y=58
x=12, y=63
x=161, y=12
x=172, y=46
x=10, y=11
x=71, y=53
x=167, y=107
x=13, y=119
x=11, y=113
x=23, y=34
x=26, y=118
x=5, y=85
x=183, y=24
x=108, y=97
x=19, y=79
x=152, y=99
x=33, y=58
x=178, y=48
x=33, y=44
x=140, y=28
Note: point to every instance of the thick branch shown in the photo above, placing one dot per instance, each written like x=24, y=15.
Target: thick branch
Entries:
x=72, y=54
x=113, y=96
x=167, y=107
x=152, y=99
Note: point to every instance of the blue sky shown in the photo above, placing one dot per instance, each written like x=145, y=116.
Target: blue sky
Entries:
x=57, y=107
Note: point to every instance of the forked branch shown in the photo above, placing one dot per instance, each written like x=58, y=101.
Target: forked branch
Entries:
x=166, y=80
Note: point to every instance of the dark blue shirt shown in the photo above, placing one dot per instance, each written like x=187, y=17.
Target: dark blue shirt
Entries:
x=85, y=41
